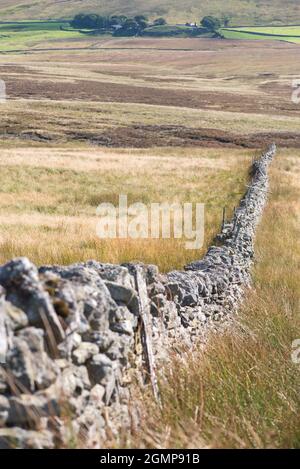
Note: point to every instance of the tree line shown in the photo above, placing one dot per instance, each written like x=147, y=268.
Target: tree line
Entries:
x=116, y=23
x=121, y=25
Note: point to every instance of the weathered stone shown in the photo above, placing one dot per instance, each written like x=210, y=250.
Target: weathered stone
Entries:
x=91, y=427
x=119, y=350
x=28, y=363
x=17, y=317
x=91, y=294
x=75, y=405
x=97, y=395
x=13, y=438
x=113, y=273
x=63, y=299
x=3, y=380
x=85, y=351
x=99, y=368
x=28, y=409
x=101, y=371
x=4, y=409
x=125, y=322
x=103, y=340
x=3, y=337
x=71, y=342
x=158, y=303
x=72, y=381
x=23, y=288
x=125, y=295
x=123, y=327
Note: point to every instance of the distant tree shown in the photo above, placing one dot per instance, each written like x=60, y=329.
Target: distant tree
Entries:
x=226, y=20
x=77, y=21
x=142, y=21
x=120, y=25
x=159, y=22
x=103, y=22
x=85, y=21
x=90, y=21
x=211, y=23
x=118, y=20
x=129, y=28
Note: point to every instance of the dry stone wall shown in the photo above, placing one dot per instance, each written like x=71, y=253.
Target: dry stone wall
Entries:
x=73, y=338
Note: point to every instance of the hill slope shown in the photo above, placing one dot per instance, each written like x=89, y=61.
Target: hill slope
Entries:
x=240, y=11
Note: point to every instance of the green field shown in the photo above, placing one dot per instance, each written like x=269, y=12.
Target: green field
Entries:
x=23, y=26
x=27, y=34
x=275, y=30
x=174, y=30
x=167, y=30
x=278, y=33
x=22, y=35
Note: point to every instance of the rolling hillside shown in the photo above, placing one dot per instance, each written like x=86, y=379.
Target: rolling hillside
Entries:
x=240, y=11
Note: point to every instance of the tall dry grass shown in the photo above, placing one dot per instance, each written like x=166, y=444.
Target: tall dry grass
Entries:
x=48, y=199
x=242, y=390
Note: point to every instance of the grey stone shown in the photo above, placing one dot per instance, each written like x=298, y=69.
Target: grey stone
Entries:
x=125, y=295
x=3, y=337
x=63, y=299
x=17, y=317
x=28, y=363
x=72, y=381
x=113, y=273
x=3, y=380
x=125, y=322
x=85, y=351
x=101, y=371
x=14, y=438
x=71, y=342
x=91, y=427
x=97, y=395
x=91, y=294
x=28, y=409
x=4, y=409
x=103, y=340
x=23, y=288
x=99, y=367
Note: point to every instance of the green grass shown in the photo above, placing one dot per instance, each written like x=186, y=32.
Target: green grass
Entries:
x=175, y=30
x=168, y=30
x=280, y=33
x=31, y=26
x=276, y=30
x=26, y=34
